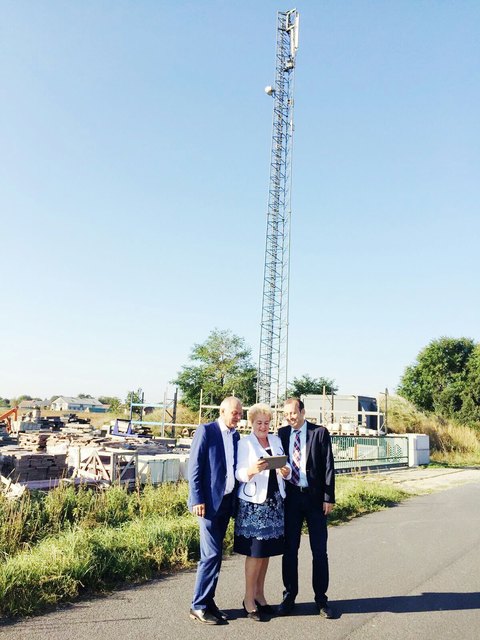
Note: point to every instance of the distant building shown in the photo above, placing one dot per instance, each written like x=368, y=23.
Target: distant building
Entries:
x=64, y=403
x=33, y=404
x=334, y=410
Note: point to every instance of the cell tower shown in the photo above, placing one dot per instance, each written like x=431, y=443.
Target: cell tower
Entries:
x=272, y=368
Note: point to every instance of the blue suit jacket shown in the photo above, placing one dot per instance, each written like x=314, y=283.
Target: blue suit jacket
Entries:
x=207, y=467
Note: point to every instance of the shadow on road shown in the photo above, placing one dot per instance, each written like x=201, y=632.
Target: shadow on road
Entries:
x=410, y=604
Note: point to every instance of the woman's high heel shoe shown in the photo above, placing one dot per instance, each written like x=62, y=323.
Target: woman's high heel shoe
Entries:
x=265, y=608
x=253, y=615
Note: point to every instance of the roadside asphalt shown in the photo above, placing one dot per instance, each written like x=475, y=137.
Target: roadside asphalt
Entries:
x=406, y=572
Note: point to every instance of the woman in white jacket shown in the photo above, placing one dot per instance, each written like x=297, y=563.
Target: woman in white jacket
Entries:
x=259, y=520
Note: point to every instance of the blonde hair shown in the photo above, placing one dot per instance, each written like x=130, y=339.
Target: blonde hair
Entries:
x=258, y=408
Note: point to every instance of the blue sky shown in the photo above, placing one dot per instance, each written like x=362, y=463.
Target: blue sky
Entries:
x=134, y=165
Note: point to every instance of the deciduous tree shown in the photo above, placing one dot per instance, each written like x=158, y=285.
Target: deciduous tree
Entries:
x=306, y=385
x=437, y=381
x=112, y=402
x=221, y=366
x=470, y=412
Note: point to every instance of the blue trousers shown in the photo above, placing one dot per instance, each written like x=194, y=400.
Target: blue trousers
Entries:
x=212, y=534
x=300, y=507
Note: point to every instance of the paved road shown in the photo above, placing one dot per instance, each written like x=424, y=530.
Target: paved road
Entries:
x=407, y=572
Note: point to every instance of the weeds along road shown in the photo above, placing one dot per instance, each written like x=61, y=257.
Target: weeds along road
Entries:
x=407, y=572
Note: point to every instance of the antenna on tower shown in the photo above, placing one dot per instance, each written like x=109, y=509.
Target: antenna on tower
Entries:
x=273, y=358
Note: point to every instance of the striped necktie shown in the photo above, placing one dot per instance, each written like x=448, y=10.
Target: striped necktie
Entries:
x=296, y=459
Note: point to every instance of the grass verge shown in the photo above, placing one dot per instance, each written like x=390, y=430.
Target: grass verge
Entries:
x=358, y=495
x=60, y=568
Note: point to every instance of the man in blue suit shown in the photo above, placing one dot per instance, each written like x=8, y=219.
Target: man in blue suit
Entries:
x=310, y=497
x=211, y=476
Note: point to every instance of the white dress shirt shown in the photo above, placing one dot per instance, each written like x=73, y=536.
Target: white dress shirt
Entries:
x=227, y=435
x=303, y=482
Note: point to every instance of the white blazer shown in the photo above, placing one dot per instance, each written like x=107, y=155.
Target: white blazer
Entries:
x=249, y=451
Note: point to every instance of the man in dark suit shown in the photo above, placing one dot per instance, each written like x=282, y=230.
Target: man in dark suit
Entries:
x=211, y=475
x=310, y=497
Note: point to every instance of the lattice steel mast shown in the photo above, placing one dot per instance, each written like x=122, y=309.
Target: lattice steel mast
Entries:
x=272, y=368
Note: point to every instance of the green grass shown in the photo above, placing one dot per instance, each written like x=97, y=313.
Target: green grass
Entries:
x=62, y=567
x=60, y=545
x=358, y=495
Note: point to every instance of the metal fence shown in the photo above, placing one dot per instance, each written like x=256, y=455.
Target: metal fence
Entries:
x=357, y=453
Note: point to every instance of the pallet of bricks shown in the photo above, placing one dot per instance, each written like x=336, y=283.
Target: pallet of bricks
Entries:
x=37, y=470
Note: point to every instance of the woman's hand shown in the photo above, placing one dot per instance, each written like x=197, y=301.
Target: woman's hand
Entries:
x=284, y=471
x=259, y=465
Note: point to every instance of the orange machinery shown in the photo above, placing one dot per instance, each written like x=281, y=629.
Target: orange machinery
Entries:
x=7, y=418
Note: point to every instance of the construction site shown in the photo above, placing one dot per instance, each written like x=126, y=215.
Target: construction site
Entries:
x=39, y=451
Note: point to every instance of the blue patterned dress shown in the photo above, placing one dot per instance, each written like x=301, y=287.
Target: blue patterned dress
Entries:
x=259, y=527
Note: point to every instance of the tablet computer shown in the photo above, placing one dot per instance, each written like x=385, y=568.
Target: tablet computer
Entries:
x=275, y=462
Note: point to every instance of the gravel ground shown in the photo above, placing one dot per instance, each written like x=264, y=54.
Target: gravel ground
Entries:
x=421, y=480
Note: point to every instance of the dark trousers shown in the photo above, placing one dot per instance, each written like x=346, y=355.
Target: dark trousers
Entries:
x=300, y=508
x=212, y=534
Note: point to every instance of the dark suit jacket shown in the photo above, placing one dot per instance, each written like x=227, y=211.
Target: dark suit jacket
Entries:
x=320, y=466
x=207, y=467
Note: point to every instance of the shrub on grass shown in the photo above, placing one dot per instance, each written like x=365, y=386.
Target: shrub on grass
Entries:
x=166, y=499
x=22, y=522
x=35, y=515
x=450, y=442
x=59, y=507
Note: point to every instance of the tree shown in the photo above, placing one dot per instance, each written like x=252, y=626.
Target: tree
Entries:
x=470, y=412
x=134, y=397
x=84, y=396
x=437, y=381
x=14, y=402
x=221, y=366
x=112, y=402
x=306, y=385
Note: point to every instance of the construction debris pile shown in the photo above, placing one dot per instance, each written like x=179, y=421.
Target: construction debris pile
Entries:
x=41, y=458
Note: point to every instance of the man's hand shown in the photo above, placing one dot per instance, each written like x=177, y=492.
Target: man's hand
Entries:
x=199, y=510
x=327, y=508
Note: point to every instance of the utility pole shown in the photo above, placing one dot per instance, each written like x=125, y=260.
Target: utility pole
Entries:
x=273, y=358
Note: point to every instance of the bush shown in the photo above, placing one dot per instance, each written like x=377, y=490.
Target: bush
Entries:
x=450, y=442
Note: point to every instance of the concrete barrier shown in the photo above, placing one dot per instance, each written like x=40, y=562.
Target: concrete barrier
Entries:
x=418, y=447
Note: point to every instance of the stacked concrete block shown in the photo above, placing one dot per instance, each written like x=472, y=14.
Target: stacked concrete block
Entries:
x=28, y=466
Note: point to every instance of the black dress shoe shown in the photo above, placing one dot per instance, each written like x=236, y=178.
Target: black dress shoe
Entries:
x=265, y=608
x=286, y=607
x=203, y=615
x=253, y=615
x=215, y=611
x=326, y=612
